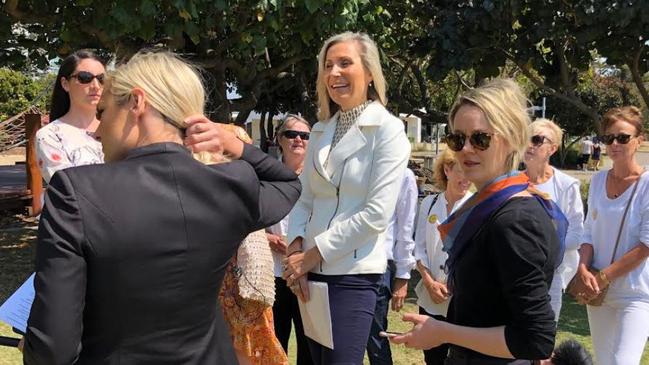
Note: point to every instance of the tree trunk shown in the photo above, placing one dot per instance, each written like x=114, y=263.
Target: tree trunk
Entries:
x=637, y=78
x=262, y=132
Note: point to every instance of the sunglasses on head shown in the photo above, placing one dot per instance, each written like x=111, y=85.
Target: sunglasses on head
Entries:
x=479, y=140
x=85, y=77
x=290, y=134
x=538, y=140
x=622, y=138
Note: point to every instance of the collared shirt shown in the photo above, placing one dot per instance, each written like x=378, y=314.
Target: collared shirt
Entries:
x=399, y=242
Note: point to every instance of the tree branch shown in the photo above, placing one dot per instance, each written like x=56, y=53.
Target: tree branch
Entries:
x=634, y=66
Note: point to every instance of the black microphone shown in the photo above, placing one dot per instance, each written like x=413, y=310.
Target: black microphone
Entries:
x=9, y=341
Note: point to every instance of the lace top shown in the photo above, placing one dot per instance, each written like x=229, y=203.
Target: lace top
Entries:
x=345, y=121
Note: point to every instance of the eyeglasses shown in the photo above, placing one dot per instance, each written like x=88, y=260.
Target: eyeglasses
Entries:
x=538, y=140
x=290, y=134
x=479, y=140
x=85, y=77
x=622, y=138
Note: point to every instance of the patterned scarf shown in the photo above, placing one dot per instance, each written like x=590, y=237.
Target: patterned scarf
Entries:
x=458, y=230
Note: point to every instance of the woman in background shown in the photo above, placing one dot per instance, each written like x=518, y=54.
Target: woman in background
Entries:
x=432, y=293
x=564, y=191
x=293, y=139
x=618, y=245
x=68, y=140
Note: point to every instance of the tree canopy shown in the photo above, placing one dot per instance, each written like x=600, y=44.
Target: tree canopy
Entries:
x=431, y=49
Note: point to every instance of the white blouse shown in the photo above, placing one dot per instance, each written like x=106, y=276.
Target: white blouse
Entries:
x=428, y=247
x=601, y=229
x=60, y=145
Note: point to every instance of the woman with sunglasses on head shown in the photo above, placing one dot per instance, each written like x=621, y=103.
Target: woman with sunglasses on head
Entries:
x=292, y=139
x=352, y=174
x=68, y=140
x=563, y=190
x=502, y=243
x=616, y=245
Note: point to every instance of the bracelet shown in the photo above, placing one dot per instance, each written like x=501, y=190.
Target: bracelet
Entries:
x=603, y=278
x=294, y=252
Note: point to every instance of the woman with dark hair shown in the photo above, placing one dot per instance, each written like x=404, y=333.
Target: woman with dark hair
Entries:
x=68, y=139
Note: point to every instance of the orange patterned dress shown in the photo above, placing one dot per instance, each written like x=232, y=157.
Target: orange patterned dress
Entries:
x=251, y=324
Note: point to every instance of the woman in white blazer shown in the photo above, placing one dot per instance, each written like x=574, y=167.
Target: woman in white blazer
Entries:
x=352, y=173
x=564, y=190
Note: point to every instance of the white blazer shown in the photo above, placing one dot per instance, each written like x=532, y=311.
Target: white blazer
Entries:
x=349, y=193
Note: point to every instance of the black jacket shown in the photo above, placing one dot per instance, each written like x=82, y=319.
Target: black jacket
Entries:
x=131, y=255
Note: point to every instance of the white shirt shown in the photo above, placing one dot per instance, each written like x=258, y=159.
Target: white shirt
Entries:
x=586, y=147
x=60, y=145
x=280, y=228
x=564, y=191
x=399, y=242
x=601, y=229
x=428, y=246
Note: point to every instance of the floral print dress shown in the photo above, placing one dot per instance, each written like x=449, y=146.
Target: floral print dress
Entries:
x=60, y=145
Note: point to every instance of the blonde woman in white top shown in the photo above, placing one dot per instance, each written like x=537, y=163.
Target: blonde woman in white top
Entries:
x=620, y=326
x=563, y=189
x=432, y=293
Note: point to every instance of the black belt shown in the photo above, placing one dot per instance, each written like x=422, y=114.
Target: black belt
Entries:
x=461, y=356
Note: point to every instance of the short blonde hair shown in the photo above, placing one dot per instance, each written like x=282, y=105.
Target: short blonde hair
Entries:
x=371, y=59
x=446, y=159
x=173, y=87
x=555, y=130
x=505, y=108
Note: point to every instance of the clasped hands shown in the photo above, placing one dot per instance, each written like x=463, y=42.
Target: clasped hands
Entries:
x=296, y=265
x=588, y=286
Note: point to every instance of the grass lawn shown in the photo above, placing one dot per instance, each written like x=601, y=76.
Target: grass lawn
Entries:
x=16, y=254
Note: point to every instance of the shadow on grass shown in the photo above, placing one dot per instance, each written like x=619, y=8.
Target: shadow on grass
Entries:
x=573, y=317
x=16, y=253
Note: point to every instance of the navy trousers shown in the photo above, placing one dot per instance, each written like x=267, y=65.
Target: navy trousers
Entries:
x=378, y=348
x=286, y=311
x=352, y=299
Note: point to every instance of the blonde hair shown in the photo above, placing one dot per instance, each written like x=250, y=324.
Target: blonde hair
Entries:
x=505, y=107
x=555, y=130
x=446, y=159
x=173, y=87
x=371, y=62
x=630, y=114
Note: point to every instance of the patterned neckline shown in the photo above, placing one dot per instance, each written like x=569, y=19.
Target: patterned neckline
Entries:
x=352, y=114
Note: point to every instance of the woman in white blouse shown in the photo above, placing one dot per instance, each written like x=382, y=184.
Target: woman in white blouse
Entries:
x=563, y=190
x=432, y=293
x=620, y=326
x=68, y=140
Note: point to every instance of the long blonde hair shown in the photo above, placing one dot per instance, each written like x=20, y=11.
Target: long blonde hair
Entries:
x=173, y=87
x=371, y=59
x=505, y=107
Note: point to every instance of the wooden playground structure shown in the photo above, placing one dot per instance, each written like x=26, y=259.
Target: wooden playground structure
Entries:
x=21, y=184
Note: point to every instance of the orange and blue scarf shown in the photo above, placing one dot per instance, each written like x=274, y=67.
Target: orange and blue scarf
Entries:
x=459, y=228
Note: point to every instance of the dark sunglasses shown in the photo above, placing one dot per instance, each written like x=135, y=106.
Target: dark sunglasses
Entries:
x=479, y=140
x=622, y=138
x=293, y=134
x=538, y=140
x=85, y=77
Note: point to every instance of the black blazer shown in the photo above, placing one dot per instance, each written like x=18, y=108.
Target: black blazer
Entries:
x=131, y=255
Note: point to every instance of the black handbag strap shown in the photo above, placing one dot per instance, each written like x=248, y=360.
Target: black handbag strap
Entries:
x=626, y=210
x=430, y=207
